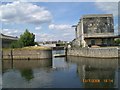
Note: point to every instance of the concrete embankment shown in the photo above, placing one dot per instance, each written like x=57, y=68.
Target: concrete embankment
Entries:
x=26, y=53
x=106, y=52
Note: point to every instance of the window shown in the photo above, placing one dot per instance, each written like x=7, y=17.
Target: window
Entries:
x=93, y=42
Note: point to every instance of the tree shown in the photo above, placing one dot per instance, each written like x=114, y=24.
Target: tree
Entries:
x=26, y=39
x=117, y=41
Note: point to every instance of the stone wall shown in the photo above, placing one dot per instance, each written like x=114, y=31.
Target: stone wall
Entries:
x=98, y=25
x=26, y=54
x=94, y=52
x=119, y=52
x=76, y=42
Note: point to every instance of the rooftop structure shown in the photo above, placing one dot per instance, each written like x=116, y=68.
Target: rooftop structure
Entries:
x=95, y=29
x=7, y=40
x=8, y=37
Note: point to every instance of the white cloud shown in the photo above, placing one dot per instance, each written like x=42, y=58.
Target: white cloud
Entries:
x=66, y=34
x=5, y=30
x=25, y=13
x=61, y=0
x=44, y=37
x=60, y=27
x=63, y=31
x=38, y=28
x=12, y=32
x=108, y=7
x=53, y=37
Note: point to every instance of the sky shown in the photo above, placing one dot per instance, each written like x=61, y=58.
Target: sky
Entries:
x=50, y=21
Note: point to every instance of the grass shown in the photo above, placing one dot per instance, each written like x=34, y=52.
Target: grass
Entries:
x=37, y=48
x=30, y=48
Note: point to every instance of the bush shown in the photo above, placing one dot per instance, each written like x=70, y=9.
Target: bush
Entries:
x=117, y=41
x=26, y=39
x=17, y=44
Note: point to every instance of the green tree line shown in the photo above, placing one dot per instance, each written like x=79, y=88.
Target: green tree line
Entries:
x=26, y=39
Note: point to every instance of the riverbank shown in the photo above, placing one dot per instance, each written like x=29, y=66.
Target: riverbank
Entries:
x=99, y=52
x=27, y=53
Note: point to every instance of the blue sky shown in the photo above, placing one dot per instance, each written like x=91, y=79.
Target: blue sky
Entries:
x=50, y=20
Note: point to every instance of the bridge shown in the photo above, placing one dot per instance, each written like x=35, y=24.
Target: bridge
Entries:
x=55, y=45
x=7, y=40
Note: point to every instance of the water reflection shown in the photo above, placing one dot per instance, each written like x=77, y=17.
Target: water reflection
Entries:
x=96, y=73
x=26, y=73
x=68, y=72
x=58, y=52
x=26, y=64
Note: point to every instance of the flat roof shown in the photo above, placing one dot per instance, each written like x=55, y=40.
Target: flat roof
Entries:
x=8, y=37
x=97, y=15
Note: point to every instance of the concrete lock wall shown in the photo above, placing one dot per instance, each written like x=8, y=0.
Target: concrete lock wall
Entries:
x=27, y=54
x=119, y=52
x=95, y=52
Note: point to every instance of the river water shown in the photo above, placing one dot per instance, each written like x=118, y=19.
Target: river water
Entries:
x=62, y=72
